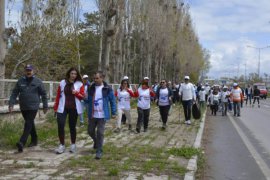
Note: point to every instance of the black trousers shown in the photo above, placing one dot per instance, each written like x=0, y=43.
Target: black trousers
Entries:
x=164, y=112
x=143, y=117
x=29, y=126
x=72, y=121
x=187, y=109
x=256, y=98
x=124, y=119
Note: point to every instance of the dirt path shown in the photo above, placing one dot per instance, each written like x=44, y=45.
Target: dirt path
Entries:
x=126, y=155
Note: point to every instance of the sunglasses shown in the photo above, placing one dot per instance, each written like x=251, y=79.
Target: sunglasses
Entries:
x=162, y=82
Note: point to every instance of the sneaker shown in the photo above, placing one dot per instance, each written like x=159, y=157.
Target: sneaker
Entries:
x=73, y=148
x=129, y=127
x=137, y=130
x=98, y=155
x=188, y=122
x=81, y=124
x=258, y=106
x=19, y=146
x=163, y=126
x=61, y=149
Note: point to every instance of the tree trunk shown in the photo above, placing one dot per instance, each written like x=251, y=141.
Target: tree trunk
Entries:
x=2, y=48
x=2, y=41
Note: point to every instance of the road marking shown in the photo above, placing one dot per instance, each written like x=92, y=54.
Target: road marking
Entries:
x=260, y=162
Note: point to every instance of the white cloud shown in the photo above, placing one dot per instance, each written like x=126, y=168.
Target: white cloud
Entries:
x=227, y=27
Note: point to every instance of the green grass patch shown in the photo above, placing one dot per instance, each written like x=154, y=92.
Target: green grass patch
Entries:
x=118, y=160
x=186, y=152
x=114, y=171
x=10, y=133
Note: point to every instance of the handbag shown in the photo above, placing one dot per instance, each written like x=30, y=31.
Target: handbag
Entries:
x=196, y=112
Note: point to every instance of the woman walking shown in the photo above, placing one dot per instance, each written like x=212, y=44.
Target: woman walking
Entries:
x=69, y=94
x=124, y=94
x=144, y=94
x=164, y=97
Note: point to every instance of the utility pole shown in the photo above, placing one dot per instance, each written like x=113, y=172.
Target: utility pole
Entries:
x=259, y=62
x=2, y=41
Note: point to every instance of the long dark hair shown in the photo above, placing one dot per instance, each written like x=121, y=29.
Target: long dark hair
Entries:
x=78, y=78
x=122, y=82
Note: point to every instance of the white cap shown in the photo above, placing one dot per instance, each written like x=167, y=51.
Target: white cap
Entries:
x=125, y=78
x=235, y=84
x=85, y=76
x=187, y=77
x=225, y=87
x=146, y=78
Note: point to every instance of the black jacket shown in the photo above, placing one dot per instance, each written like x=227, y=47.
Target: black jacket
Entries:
x=29, y=91
x=256, y=92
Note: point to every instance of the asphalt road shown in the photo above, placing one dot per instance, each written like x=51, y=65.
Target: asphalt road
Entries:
x=238, y=147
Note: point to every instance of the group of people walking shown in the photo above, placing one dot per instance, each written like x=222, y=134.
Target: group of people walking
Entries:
x=224, y=98
x=76, y=94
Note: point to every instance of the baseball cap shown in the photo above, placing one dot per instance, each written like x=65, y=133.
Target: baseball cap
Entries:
x=28, y=67
x=85, y=76
x=187, y=77
x=235, y=84
x=146, y=78
x=125, y=78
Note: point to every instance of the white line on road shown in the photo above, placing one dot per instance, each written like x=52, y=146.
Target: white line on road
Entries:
x=260, y=162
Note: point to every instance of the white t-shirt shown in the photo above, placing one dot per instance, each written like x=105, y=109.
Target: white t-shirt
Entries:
x=123, y=99
x=207, y=90
x=187, y=92
x=236, y=94
x=202, y=95
x=225, y=96
x=249, y=90
x=98, y=103
x=144, y=98
x=163, y=97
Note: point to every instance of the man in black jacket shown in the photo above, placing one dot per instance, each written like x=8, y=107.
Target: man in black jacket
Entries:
x=29, y=89
x=256, y=96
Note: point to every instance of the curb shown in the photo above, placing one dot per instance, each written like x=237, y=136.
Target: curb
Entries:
x=192, y=163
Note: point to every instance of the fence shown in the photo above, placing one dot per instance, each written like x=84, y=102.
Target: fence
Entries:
x=7, y=85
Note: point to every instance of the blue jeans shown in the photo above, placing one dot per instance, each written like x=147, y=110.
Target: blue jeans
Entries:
x=249, y=97
x=236, y=108
x=96, y=129
x=85, y=108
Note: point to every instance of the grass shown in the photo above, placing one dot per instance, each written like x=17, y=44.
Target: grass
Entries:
x=186, y=152
x=10, y=133
x=118, y=160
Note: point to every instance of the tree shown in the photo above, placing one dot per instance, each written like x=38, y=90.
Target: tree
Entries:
x=2, y=41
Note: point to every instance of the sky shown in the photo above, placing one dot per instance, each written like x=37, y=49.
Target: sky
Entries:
x=227, y=27
x=224, y=27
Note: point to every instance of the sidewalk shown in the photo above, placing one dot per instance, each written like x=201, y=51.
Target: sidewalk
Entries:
x=155, y=155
